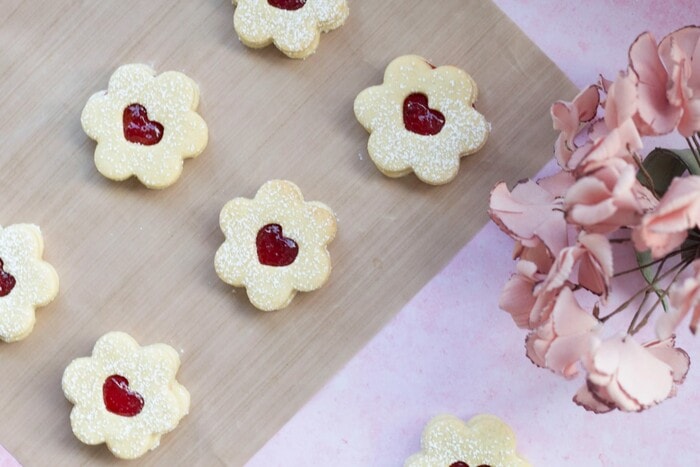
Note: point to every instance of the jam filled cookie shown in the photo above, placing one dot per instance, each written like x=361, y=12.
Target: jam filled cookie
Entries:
x=422, y=120
x=26, y=282
x=145, y=125
x=484, y=441
x=275, y=244
x=294, y=26
x=125, y=395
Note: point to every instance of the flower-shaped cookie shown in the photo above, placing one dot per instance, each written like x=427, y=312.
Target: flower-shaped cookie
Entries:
x=422, y=120
x=145, y=125
x=275, y=244
x=125, y=395
x=26, y=282
x=294, y=26
x=484, y=441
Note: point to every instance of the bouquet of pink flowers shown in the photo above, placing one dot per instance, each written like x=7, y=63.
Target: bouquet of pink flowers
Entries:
x=608, y=201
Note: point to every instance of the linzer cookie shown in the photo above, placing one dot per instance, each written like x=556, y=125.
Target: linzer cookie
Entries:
x=26, y=281
x=275, y=244
x=145, y=125
x=422, y=120
x=294, y=26
x=125, y=395
x=484, y=441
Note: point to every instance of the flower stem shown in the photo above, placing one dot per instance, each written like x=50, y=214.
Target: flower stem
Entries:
x=646, y=295
x=643, y=290
x=634, y=330
x=619, y=240
x=647, y=175
x=660, y=260
x=639, y=310
x=695, y=150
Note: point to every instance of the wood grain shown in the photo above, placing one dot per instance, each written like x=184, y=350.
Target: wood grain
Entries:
x=141, y=261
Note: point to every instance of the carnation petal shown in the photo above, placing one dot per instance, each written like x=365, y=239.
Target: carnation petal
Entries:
x=645, y=378
x=528, y=213
x=676, y=358
x=653, y=105
x=586, y=102
x=517, y=299
x=586, y=399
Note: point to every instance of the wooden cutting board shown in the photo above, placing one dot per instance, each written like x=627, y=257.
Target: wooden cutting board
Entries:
x=141, y=261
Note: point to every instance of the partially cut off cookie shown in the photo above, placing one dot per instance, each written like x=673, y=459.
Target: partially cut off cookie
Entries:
x=26, y=281
x=294, y=26
x=483, y=441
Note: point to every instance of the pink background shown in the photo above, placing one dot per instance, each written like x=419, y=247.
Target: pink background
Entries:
x=451, y=350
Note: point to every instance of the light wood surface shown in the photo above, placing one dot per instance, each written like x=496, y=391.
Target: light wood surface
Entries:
x=141, y=261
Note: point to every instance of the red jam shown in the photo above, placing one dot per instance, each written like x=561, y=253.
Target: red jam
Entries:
x=464, y=464
x=287, y=4
x=274, y=249
x=119, y=399
x=419, y=118
x=138, y=128
x=7, y=281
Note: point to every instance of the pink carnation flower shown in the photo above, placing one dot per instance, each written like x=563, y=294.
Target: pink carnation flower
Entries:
x=621, y=101
x=685, y=297
x=561, y=341
x=524, y=297
x=608, y=144
x=590, y=261
x=656, y=114
x=529, y=214
x=680, y=53
x=567, y=117
x=624, y=375
x=666, y=227
x=608, y=198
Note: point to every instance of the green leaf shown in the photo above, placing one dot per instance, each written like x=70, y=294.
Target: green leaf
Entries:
x=644, y=260
x=663, y=165
x=689, y=248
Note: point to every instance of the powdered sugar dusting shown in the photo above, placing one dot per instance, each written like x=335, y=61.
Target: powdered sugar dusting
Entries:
x=397, y=151
x=296, y=33
x=21, y=247
x=312, y=225
x=484, y=440
x=170, y=99
x=149, y=370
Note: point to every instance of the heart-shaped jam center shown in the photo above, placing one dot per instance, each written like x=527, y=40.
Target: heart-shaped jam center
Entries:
x=464, y=464
x=119, y=399
x=138, y=128
x=419, y=118
x=7, y=281
x=287, y=4
x=274, y=249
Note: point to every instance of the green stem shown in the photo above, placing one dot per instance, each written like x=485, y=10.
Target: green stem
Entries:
x=664, y=293
x=694, y=150
x=639, y=310
x=643, y=290
x=646, y=295
x=656, y=261
x=647, y=175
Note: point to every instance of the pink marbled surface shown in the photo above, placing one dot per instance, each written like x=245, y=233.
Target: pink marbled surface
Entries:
x=451, y=350
x=6, y=460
